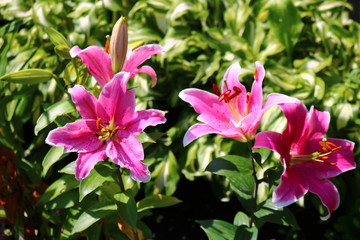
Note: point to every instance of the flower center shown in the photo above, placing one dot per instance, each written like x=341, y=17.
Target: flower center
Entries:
x=106, y=131
x=321, y=155
x=227, y=95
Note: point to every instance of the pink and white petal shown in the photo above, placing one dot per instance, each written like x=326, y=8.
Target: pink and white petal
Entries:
x=327, y=192
x=128, y=153
x=232, y=78
x=140, y=55
x=293, y=185
x=97, y=61
x=273, y=141
x=344, y=159
x=78, y=136
x=148, y=70
x=256, y=96
x=86, y=162
x=115, y=102
x=214, y=113
x=196, y=131
x=85, y=102
x=277, y=99
x=144, y=118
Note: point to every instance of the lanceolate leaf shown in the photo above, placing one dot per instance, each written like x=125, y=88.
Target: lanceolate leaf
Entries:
x=126, y=207
x=156, y=201
x=219, y=230
x=100, y=174
x=55, y=37
x=52, y=112
x=51, y=157
x=285, y=23
x=29, y=76
x=93, y=214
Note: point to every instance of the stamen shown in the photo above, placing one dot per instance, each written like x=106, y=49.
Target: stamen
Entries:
x=216, y=89
x=107, y=44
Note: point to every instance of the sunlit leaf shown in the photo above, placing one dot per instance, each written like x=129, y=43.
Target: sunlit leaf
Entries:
x=51, y=113
x=50, y=158
x=55, y=37
x=98, y=175
x=93, y=214
x=218, y=229
x=126, y=207
x=156, y=201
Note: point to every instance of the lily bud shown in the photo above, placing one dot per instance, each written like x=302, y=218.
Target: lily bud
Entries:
x=118, y=45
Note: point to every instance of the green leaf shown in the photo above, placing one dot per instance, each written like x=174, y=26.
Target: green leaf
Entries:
x=53, y=155
x=219, y=230
x=230, y=166
x=52, y=112
x=248, y=233
x=285, y=23
x=55, y=37
x=10, y=27
x=29, y=76
x=93, y=214
x=269, y=213
x=239, y=172
x=145, y=138
x=156, y=201
x=100, y=174
x=166, y=175
x=126, y=207
x=69, y=169
x=63, y=51
x=63, y=184
x=65, y=200
x=241, y=219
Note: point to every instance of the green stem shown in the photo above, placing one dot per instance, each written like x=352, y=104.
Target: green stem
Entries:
x=119, y=180
x=252, y=216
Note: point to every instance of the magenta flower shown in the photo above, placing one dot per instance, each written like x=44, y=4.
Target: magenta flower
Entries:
x=108, y=129
x=233, y=112
x=308, y=157
x=98, y=61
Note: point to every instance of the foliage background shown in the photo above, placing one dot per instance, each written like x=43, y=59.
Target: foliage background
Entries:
x=310, y=50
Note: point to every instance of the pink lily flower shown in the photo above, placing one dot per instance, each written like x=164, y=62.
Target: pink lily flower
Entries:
x=233, y=112
x=108, y=129
x=104, y=64
x=307, y=156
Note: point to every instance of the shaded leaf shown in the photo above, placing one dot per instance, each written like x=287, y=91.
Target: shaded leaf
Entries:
x=218, y=229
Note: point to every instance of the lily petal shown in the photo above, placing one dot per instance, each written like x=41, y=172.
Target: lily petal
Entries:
x=149, y=71
x=115, y=103
x=271, y=140
x=327, y=192
x=144, y=118
x=85, y=102
x=140, y=55
x=128, y=153
x=212, y=112
x=344, y=159
x=86, y=162
x=293, y=185
x=97, y=61
x=78, y=136
x=255, y=101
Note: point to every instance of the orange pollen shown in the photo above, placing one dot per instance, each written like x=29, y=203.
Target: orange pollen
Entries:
x=107, y=44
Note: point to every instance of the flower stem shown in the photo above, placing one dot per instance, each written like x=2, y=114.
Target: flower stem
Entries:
x=119, y=179
x=252, y=158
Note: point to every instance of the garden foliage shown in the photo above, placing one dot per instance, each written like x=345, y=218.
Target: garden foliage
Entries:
x=309, y=48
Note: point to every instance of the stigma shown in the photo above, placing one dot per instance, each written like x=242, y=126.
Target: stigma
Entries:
x=105, y=131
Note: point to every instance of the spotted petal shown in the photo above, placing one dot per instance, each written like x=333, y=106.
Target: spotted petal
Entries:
x=78, y=136
x=86, y=162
